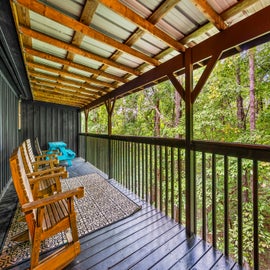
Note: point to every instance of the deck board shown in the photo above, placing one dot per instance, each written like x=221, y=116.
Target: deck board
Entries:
x=145, y=240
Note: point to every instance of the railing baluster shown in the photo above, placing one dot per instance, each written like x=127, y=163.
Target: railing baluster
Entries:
x=112, y=155
x=116, y=160
x=255, y=216
x=214, y=201
x=143, y=171
x=179, y=185
x=160, y=178
x=132, y=166
x=156, y=177
x=122, y=157
x=129, y=165
x=139, y=171
x=204, y=217
x=146, y=173
x=172, y=182
x=151, y=174
x=240, y=211
x=135, y=168
x=226, y=207
x=166, y=181
x=126, y=163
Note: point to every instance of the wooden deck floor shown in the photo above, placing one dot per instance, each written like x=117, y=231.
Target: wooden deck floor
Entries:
x=146, y=240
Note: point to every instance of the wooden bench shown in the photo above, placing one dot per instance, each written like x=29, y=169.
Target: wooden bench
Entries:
x=46, y=217
x=44, y=152
x=40, y=161
x=51, y=177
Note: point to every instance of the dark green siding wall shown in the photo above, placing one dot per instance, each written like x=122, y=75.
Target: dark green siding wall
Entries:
x=49, y=122
x=8, y=128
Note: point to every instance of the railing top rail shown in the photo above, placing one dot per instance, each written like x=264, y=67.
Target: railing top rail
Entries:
x=172, y=142
x=247, y=151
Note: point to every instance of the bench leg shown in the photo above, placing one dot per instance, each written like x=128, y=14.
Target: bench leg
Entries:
x=35, y=248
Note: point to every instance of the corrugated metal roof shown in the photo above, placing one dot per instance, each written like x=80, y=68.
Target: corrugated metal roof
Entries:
x=95, y=47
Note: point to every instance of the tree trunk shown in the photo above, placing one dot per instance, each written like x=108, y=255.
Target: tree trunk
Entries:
x=177, y=111
x=157, y=119
x=241, y=123
x=252, y=91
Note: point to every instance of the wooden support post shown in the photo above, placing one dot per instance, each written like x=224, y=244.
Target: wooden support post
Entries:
x=189, y=157
x=86, y=114
x=190, y=95
x=110, y=106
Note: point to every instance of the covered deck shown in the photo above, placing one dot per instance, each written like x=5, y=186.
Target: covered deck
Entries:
x=59, y=59
x=147, y=239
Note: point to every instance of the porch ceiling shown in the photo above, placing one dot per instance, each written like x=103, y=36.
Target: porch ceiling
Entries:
x=83, y=52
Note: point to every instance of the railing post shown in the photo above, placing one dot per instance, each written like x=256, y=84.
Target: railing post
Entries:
x=189, y=156
x=109, y=106
x=86, y=114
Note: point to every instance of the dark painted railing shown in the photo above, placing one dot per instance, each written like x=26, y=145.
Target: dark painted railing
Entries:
x=228, y=186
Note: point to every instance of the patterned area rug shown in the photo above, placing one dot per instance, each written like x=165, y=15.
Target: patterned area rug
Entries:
x=101, y=205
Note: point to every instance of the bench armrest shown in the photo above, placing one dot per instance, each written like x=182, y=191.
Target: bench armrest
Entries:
x=46, y=162
x=46, y=157
x=47, y=176
x=78, y=192
x=47, y=171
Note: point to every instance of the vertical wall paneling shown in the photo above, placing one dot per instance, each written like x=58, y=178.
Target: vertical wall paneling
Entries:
x=8, y=128
x=50, y=122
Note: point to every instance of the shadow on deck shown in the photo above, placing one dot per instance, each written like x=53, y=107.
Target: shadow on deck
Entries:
x=146, y=240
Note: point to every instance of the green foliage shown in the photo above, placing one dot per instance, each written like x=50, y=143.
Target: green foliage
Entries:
x=215, y=119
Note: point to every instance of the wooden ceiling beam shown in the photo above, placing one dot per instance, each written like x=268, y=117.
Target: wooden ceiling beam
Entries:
x=54, y=90
x=57, y=99
x=86, y=17
x=51, y=90
x=64, y=81
x=132, y=16
x=68, y=74
x=65, y=46
x=240, y=6
x=62, y=87
x=157, y=15
x=162, y=10
x=54, y=93
x=154, y=18
x=234, y=35
x=87, y=14
x=69, y=63
x=210, y=13
x=73, y=24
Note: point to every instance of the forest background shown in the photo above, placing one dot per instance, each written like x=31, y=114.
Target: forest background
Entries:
x=234, y=106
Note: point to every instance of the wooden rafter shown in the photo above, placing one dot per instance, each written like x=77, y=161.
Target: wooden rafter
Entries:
x=65, y=93
x=70, y=63
x=63, y=81
x=62, y=88
x=58, y=100
x=210, y=13
x=56, y=71
x=155, y=17
x=127, y=13
x=241, y=5
x=84, y=29
x=61, y=44
x=52, y=93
